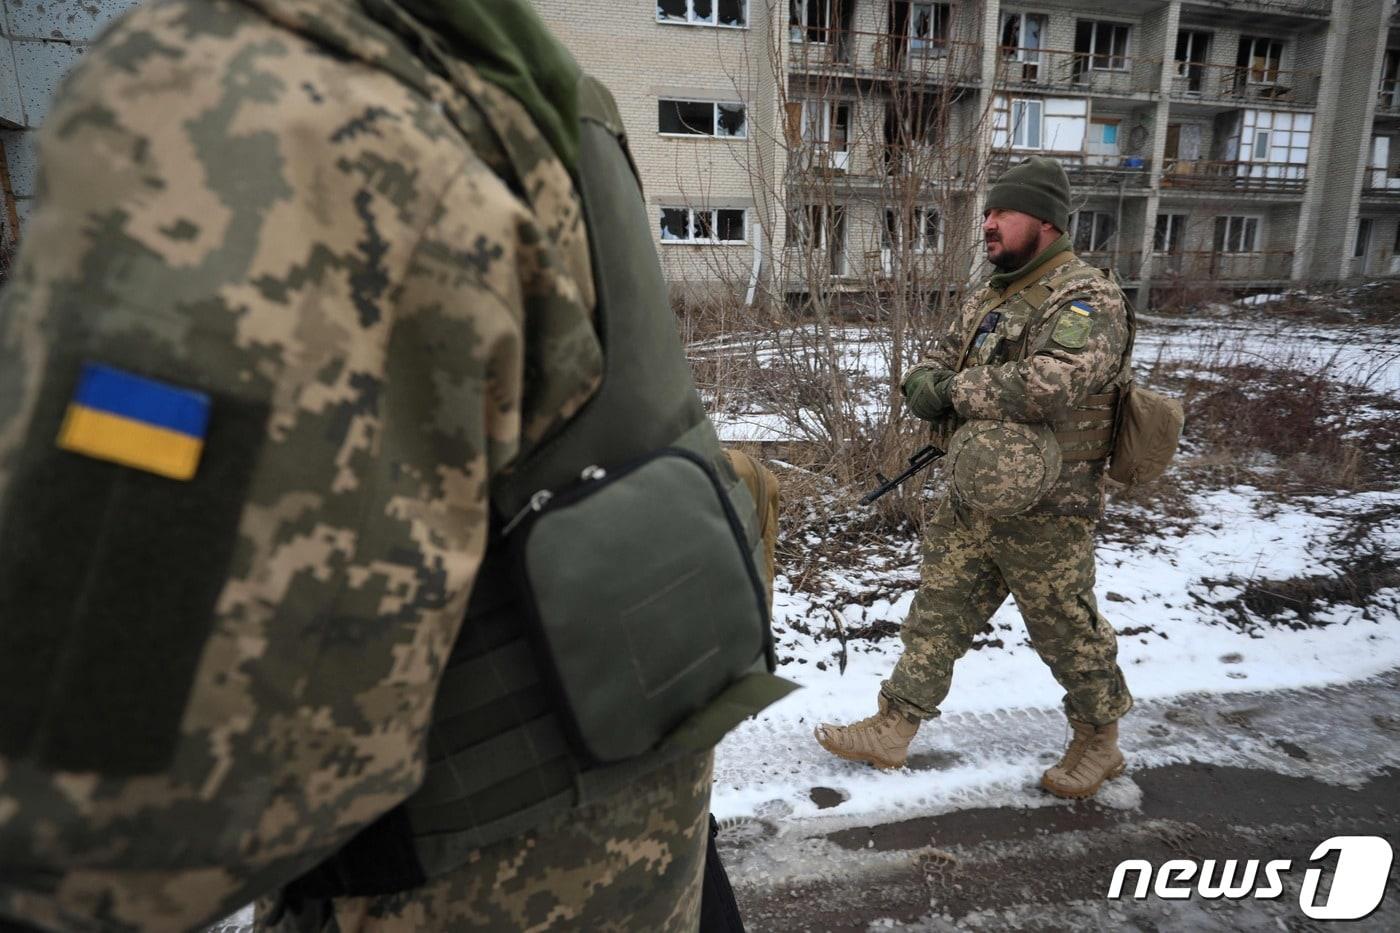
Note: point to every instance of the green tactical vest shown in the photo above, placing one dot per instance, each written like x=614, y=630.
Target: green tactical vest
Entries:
x=500, y=760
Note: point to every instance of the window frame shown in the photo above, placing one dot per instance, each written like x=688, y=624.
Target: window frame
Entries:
x=921, y=244
x=1273, y=73
x=691, y=226
x=1244, y=221
x=1013, y=124
x=800, y=31
x=1123, y=57
x=1094, y=217
x=714, y=116
x=1172, y=233
x=1020, y=52
x=1193, y=38
x=931, y=46
x=713, y=23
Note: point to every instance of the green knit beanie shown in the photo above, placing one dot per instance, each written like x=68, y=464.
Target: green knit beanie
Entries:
x=1038, y=186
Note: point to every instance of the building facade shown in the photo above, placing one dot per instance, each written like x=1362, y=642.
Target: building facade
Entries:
x=839, y=143
x=1246, y=143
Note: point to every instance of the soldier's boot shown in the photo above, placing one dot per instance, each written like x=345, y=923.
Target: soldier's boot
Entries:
x=1092, y=758
x=881, y=740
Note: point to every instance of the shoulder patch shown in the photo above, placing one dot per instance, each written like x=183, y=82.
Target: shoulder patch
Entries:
x=137, y=422
x=1073, y=324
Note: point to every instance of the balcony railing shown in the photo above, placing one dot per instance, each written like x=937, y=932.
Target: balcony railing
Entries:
x=1388, y=98
x=1262, y=265
x=1128, y=266
x=1089, y=171
x=1377, y=182
x=1244, y=83
x=828, y=50
x=1234, y=175
x=1055, y=69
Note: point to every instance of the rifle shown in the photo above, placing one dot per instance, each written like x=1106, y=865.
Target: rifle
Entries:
x=916, y=463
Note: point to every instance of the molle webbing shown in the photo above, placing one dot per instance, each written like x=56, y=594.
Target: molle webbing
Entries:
x=1087, y=434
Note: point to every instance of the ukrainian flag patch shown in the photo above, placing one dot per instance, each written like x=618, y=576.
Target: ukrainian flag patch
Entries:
x=1083, y=307
x=137, y=422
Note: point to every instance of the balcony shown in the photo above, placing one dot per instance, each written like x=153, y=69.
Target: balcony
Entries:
x=1198, y=175
x=1084, y=171
x=1388, y=99
x=1260, y=266
x=832, y=51
x=1377, y=182
x=1127, y=266
x=1235, y=84
x=1028, y=69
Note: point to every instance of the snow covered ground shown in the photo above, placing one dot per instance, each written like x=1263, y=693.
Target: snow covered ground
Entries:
x=1176, y=594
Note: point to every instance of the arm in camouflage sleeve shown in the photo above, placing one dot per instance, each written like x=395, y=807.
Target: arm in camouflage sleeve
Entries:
x=1045, y=386
x=302, y=238
x=925, y=384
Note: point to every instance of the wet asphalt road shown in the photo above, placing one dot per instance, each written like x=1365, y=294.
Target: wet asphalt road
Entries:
x=1312, y=764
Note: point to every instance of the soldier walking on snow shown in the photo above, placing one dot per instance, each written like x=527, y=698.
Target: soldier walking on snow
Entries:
x=1024, y=386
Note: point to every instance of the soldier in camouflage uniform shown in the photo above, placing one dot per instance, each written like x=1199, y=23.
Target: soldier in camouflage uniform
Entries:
x=381, y=278
x=1043, y=344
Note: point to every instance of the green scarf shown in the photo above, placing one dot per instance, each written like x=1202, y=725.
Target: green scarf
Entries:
x=1002, y=279
x=510, y=46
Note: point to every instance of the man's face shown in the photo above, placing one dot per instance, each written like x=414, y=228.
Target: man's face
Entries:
x=1012, y=238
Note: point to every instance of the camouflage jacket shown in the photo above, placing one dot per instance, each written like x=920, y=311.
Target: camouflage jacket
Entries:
x=383, y=286
x=1026, y=374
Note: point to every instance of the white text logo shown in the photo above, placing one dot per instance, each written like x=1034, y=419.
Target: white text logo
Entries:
x=1358, y=884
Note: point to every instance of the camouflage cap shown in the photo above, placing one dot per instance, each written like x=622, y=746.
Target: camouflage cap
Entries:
x=1002, y=468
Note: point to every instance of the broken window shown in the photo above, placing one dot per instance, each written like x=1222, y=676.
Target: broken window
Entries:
x=1262, y=57
x=690, y=117
x=809, y=20
x=701, y=118
x=928, y=28
x=730, y=225
x=927, y=229
x=675, y=224
x=691, y=225
x=1091, y=231
x=1022, y=36
x=731, y=120
x=703, y=12
x=1101, y=46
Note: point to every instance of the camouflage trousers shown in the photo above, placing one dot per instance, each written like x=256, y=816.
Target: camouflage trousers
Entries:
x=971, y=562
x=634, y=861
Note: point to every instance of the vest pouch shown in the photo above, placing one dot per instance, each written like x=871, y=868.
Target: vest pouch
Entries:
x=1149, y=429
x=644, y=599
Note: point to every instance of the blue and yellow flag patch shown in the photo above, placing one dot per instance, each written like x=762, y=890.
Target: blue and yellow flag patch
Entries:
x=124, y=418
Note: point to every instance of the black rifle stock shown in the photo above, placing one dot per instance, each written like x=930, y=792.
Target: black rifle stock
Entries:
x=916, y=463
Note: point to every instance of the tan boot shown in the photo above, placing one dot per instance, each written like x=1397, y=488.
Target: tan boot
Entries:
x=1091, y=759
x=881, y=740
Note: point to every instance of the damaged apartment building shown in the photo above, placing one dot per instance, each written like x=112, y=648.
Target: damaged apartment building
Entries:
x=836, y=144
x=825, y=142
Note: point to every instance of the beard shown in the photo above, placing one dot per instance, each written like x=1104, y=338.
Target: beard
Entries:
x=1014, y=256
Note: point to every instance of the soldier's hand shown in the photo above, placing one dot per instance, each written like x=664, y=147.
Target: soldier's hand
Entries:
x=928, y=392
